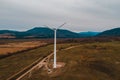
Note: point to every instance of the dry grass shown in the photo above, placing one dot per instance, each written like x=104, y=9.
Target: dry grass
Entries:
x=19, y=46
x=13, y=64
x=89, y=61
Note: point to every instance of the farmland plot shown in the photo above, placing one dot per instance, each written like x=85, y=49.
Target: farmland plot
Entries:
x=19, y=46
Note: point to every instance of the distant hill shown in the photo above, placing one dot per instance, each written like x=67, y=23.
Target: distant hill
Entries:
x=110, y=33
x=88, y=34
x=42, y=32
x=38, y=32
x=8, y=34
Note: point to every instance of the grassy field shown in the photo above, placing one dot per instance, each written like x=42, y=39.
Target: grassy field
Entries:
x=11, y=48
x=13, y=64
x=89, y=61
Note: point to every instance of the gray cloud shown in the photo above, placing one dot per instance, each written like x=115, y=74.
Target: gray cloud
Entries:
x=81, y=15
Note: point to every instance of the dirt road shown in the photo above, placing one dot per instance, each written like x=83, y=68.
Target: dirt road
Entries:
x=38, y=65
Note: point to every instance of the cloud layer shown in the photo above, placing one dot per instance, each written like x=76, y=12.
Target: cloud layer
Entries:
x=80, y=15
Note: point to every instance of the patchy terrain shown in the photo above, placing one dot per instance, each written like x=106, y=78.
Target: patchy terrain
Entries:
x=88, y=61
x=83, y=61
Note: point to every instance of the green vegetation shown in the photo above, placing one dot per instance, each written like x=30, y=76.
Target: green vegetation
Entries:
x=89, y=61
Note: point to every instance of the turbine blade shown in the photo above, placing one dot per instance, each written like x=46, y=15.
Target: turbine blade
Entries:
x=61, y=25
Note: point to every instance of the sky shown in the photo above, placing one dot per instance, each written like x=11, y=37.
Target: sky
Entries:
x=80, y=15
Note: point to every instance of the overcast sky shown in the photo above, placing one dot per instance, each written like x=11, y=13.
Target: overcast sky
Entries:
x=80, y=15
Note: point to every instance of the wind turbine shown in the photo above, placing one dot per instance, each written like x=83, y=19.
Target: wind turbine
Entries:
x=55, y=32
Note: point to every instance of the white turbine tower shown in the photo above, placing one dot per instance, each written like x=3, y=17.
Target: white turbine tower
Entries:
x=55, y=31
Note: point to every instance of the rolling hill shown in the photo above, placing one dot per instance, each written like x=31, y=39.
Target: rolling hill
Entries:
x=38, y=32
x=110, y=33
x=43, y=32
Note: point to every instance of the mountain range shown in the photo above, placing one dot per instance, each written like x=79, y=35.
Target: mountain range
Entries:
x=38, y=32
x=88, y=34
x=43, y=32
x=110, y=33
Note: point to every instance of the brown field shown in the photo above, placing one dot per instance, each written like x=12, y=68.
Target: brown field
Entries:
x=18, y=46
x=92, y=59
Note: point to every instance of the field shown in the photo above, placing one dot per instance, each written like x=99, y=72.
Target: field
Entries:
x=90, y=61
x=11, y=65
x=86, y=61
x=8, y=48
x=15, y=47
